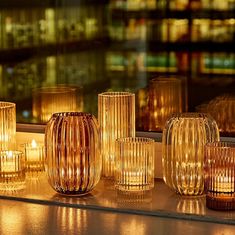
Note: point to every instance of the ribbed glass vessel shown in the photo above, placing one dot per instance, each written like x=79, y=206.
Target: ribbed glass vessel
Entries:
x=165, y=98
x=184, y=137
x=12, y=170
x=7, y=125
x=72, y=148
x=116, y=115
x=49, y=100
x=134, y=164
x=220, y=175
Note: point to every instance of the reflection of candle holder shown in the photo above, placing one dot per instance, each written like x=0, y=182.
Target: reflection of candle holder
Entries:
x=220, y=175
x=49, y=100
x=116, y=115
x=134, y=164
x=165, y=98
x=34, y=159
x=12, y=170
x=184, y=137
x=8, y=125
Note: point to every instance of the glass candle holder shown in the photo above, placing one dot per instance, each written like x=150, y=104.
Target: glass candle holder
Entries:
x=165, y=98
x=134, y=164
x=184, y=137
x=49, y=100
x=34, y=159
x=116, y=115
x=12, y=170
x=72, y=146
x=7, y=125
x=220, y=175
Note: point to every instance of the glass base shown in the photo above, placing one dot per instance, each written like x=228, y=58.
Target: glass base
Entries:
x=12, y=186
x=134, y=188
x=220, y=202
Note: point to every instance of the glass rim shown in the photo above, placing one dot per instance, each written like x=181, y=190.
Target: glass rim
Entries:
x=55, y=89
x=6, y=104
x=72, y=114
x=166, y=79
x=113, y=94
x=135, y=140
x=221, y=145
x=190, y=115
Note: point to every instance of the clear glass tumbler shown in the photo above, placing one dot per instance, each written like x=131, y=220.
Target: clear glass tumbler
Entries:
x=184, y=137
x=12, y=170
x=7, y=125
x=220, y=175
x=116, y=115
x=72, y=152
x=134, y=164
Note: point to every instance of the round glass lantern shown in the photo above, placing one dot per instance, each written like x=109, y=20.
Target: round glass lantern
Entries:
x=72, y=146
x=184, y=137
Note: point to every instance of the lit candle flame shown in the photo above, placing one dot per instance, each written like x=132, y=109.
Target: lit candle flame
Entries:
x=34, y=144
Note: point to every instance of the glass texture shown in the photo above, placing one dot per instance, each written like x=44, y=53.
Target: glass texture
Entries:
x=116, y=115
x=222, y=109
x=134, y=164
x=72, y=147
x=165, y=98
x=49, y=100
x=7, y=125
x=34, y=159
x=12, y=170
x=184, y=137
x=220, y=175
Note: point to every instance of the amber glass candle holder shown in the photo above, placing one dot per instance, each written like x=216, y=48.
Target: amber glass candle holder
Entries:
x=116, y=115
x=184, y=137
x=220, y=175
x=49, y=100
x=12, y=170
x=72, y=146
x=134, y=164
x=34, y=159
x=7, y=125
x=165, y=98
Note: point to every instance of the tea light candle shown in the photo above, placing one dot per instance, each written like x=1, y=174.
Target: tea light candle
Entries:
x=12, y=170
x=34, y=157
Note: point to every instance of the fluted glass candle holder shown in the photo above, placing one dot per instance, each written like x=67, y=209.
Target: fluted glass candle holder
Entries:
x=72, y=146
x=220, y=175
x=49, y=100
x=134, y=164
x=34, y=159
x=116, y=115
x=7, y=125
x=12, y=170
x=184, y=137
x=165, y=98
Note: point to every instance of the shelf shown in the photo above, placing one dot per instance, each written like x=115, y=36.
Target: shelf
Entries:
x=176, y=14
x=158, y=46
x=20, y=54
x=160, y=202
x=13, y=4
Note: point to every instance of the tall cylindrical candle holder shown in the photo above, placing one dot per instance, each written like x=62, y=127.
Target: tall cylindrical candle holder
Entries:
x=220, y=175
x=49, y=100
x=134, y=164
x=7, y=125
x=165, y=98
x=184, y=137
x=116, y=115
x=12, y=170
x=72, y=152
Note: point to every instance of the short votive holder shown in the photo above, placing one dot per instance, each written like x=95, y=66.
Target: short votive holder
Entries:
x=219, y=170
x=12, y=170
x=134, y=164
x=34, y=159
